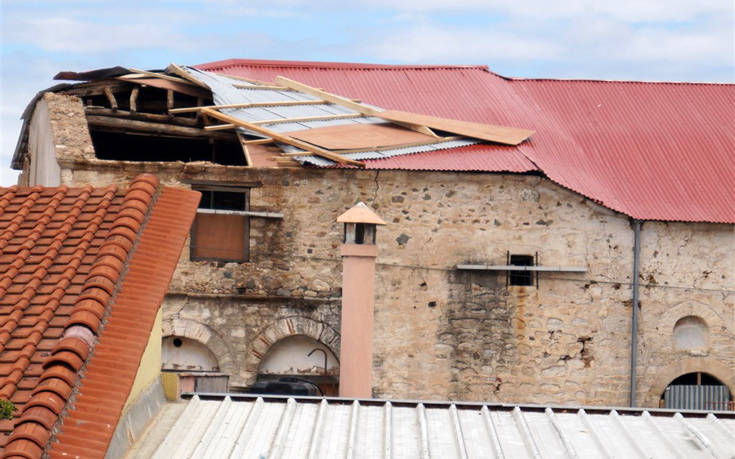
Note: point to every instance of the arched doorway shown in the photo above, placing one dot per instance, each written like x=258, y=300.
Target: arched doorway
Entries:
x=301, y=358
x=196, y=365
x=697, y=391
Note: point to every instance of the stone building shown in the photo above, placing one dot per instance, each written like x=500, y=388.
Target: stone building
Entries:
x=455, y=317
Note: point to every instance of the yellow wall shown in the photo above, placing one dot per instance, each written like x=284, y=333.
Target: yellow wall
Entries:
x=150, y=364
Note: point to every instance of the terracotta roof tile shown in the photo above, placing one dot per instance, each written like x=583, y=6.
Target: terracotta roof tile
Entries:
x=63, y=252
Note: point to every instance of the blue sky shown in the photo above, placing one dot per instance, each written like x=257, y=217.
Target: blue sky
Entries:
x=661, y=40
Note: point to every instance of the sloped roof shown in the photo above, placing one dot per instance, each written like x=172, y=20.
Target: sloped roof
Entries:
x=653, y=151
x=253, y=427
x=83, y=272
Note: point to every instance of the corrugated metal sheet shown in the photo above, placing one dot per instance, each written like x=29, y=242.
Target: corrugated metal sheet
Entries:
x=245, y=427
x=654, y=151
x=691, y=397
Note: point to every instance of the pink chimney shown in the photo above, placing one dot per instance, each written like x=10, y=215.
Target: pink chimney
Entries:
x=358, y=298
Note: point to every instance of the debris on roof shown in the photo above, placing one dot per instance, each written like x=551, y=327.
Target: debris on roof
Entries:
x=271, y=426
x=84, y=271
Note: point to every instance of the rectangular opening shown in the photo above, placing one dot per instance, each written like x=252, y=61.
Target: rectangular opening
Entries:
x=521, y=277
x=221, y=237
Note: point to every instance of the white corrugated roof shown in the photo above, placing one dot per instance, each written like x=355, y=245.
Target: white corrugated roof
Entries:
x=278, y=427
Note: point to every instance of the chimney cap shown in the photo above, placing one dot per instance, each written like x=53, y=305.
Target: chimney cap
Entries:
x=360, y=213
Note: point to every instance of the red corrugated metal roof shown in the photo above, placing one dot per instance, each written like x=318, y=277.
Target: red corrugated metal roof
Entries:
x=654, y=151
x=66, y=263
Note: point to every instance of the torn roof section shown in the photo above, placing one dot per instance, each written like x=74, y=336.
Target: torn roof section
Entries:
x=350, y=129
x=84, y=271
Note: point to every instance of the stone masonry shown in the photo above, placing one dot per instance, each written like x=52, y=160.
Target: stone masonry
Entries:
x=443, y=333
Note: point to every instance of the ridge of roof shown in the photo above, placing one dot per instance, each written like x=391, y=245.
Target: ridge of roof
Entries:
x=76, y=249
x=329, y=65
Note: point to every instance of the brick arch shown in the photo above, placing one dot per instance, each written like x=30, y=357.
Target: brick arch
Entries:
x=290, y=326
x=201, y=333
x=665, y=375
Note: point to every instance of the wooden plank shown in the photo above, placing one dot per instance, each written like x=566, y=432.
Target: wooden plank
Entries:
x=264, y=87
x=285, y=103
x=433, y=141
x=177, y=70
x=110, y=97
x=339, y=100
x=281, y=137
x=333, y=98
x=219, y=127
x=145, y=126
x=162, y=76
x=169, y=99
x=499, y=134
x=154, y=117
x=245, y=150
x=183, y=88
x=368, y=137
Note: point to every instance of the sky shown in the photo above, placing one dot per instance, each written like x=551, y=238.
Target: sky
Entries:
x=650, y=40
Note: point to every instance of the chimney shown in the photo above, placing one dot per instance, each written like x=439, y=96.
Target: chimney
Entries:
x=358, y=297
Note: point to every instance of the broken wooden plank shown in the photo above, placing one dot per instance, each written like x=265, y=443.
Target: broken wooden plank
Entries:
x=183, y=88
x=281, y=137
x=262, y=86
x=219, y=127
x=499, y=134
x=155, y=128
x=179, y=71
x=364, y=136
x=169, y=99
x=162, y=76
x=110, y=97
x=339, y=100
x=301, y=119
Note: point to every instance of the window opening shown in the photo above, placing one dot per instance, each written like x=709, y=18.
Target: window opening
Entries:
x=521, y=277
x=697, y=391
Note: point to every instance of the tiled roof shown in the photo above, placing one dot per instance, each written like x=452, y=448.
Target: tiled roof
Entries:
x=82, y=275
x=653, y=151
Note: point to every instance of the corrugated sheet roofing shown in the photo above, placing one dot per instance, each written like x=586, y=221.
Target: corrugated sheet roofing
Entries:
x=249, y=427
x=81, y=270
x=654, y=151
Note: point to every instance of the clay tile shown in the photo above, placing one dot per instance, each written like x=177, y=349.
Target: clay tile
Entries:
x=114, y=250
x=73, y=344
x=106, y=271
x=123, y=241
x=133, y=213
x=96, y=294
x=139, y=195
x=135, y=204
x=111, y=261
x=92, y=306
x=55, y=385
x=125, y=232
x=64, y=357
x=23, y=448
x=143, y=186
x=32, y=431
x=149, y=178
x=41, y=415
x=27, y=294
x=100, y=282
x=60, y=372
x=87, y=237
x=47, y=399
x=85, y=318
x=128, y=222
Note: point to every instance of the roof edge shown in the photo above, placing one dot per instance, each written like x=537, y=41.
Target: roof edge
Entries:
x=327, y=65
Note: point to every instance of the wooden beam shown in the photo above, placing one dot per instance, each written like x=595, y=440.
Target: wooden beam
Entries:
x=339, y=100
x=285, y=103
x=169, y=99
x=97, y=88
x=281, y=137
x=134, y=99
x=155, y=128
x=262, y=86
x=177, y=70
x=154, y=117
x=245, y=150
x=391, y=147
x=110, y=97
x=310, y=118
x=219, y=127
x=256, y=141
x=162, y=76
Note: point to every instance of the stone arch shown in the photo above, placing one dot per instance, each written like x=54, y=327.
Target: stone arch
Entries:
x=201, y=333
x=704, y=311
x=665, y=375
x=290, y=326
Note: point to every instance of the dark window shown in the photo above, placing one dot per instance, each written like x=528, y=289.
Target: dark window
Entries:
x=221, y=236
x=521, y=277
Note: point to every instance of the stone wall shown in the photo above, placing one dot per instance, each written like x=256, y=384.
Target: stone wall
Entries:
x=442, y=333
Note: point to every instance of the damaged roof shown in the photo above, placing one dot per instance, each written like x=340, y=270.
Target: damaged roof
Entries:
x=653, y=151
x=84, y=271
